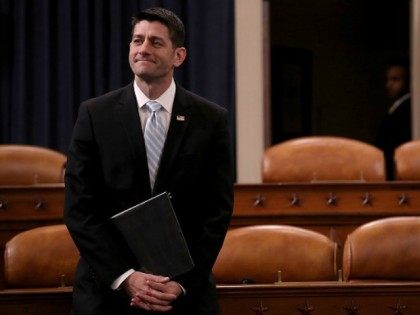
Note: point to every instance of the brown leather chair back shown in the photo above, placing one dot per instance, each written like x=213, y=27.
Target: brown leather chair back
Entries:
x=387, y=249
x=322, y=158
x=40, y=257
x=29, y=165
x=257, y=253
x=407, y=161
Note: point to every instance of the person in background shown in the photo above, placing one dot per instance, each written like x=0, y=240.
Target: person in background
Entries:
x=115, y=161
x=395, y=128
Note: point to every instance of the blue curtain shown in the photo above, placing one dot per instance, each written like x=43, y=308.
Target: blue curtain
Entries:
x=57, y=53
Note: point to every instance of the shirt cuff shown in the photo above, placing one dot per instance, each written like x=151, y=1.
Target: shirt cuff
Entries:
x=182, y=288
x=117, y=282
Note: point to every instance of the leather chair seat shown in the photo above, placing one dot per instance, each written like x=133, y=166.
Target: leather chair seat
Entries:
x=322, y=159
x=29, y=165
x=40, y=257
x=386, y=249
x=256, y=254
x=407, y=161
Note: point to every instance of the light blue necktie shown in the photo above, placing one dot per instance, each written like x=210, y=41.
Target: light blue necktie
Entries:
x=154, y=139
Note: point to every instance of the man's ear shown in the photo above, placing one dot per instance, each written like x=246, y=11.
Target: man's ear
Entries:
x=180, y=55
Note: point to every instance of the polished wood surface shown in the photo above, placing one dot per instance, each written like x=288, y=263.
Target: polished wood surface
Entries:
x=27, y=203
x=332, y=208
x=25, y=207
x=42, y=301
x=334, y=298
x=373, y=298
x=327, y=198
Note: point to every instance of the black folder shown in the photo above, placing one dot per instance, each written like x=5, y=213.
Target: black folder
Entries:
x=154, y=235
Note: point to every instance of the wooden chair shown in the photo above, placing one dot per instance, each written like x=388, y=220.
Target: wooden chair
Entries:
x=407, y=161
x=40, y=257
x=386, y=249
x=29, y=165
x=322, y=159
x=256, y=254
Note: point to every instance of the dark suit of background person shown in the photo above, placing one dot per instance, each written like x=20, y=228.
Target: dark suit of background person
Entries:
x=395, y=128
x=107, y=172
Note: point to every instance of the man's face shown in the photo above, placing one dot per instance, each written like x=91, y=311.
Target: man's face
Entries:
x=152, y=56
x=396, y=81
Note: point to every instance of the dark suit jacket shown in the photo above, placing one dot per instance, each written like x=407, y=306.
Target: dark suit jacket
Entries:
x=107, y=172
x=395, y=130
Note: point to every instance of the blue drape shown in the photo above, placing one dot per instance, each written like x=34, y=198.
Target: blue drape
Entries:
x=56, y=54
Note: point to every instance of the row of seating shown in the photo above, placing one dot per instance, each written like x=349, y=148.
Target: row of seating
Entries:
x=316, y=158
x=386, y=249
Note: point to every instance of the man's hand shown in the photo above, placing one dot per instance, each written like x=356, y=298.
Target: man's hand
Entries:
x=150, y=292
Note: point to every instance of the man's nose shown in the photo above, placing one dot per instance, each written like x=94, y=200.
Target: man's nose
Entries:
x=144, y=47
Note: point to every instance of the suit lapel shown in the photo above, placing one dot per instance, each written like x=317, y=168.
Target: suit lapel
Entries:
x=180, y=117
x=127, y=111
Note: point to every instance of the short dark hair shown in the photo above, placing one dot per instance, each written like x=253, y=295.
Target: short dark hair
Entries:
x=166, y=17
x=398, y=62
x=401, y=62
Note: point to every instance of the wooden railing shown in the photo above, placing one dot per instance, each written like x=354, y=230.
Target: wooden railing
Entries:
x=333, y=298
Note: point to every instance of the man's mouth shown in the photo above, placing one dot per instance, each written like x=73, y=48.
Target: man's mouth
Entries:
x=143, y=60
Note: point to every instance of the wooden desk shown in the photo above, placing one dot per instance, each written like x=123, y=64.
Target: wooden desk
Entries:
x=333, y=298
x=53, y=301
x=333, y=209
x=30, y=206
x=304, y=298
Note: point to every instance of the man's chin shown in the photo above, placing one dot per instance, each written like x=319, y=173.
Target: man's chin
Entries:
x=145, y=76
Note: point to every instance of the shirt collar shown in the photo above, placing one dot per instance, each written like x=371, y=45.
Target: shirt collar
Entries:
x=166, y=99
x=398, y=102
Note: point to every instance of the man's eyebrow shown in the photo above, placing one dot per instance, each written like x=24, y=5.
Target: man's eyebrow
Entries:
x=151, y=37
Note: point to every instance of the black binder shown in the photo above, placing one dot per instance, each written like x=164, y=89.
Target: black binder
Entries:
x=154, y=235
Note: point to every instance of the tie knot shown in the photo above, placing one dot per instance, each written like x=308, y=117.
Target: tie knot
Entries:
x=153, y=106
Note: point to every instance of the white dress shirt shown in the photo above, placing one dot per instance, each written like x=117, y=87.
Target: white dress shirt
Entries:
x=167, y=102
x=398, y=102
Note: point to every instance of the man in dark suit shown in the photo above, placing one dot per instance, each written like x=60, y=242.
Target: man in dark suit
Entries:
x=107, y=171
x=395, y=128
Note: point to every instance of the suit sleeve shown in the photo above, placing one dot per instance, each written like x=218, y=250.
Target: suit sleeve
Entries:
x=97, y=240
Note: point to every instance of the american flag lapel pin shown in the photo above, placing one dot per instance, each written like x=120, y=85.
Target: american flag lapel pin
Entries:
x=180, y=118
